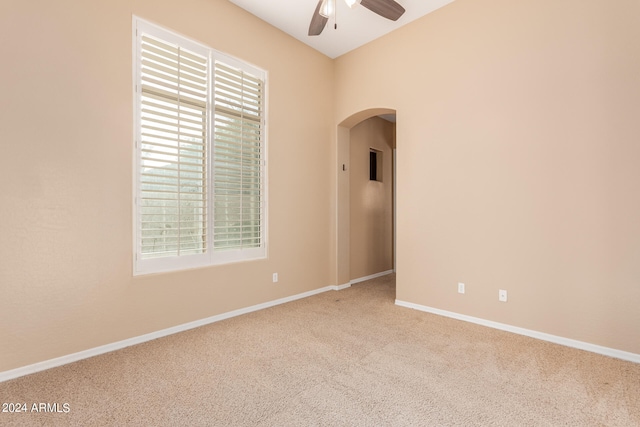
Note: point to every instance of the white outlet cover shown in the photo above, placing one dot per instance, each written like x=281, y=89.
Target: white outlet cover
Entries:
x=461, y=288
x=275, y=277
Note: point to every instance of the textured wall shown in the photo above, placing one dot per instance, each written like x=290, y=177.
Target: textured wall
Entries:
x=517, y=167
x=518, y=147
x=66, y=175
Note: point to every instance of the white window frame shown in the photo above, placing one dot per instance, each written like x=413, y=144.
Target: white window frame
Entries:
x=210, y=257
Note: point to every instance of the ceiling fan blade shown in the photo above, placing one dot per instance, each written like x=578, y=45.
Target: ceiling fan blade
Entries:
x=318, y=22
x=386, y=8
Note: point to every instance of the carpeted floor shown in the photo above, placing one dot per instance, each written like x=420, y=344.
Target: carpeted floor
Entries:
x=347, y=358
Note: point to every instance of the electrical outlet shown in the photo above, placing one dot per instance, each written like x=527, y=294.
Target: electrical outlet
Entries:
x=461, y=288
x=275, y=277
x=502, y=295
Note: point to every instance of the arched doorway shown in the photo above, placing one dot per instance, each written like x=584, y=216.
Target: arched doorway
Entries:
x=352, y=254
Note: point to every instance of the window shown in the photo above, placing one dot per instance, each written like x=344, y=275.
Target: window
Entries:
x=200, y=194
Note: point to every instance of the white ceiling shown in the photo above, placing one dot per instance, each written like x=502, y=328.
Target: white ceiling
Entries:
x=356, y=26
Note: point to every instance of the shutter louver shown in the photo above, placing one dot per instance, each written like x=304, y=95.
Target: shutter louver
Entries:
x=238, y=160
x=172, y=205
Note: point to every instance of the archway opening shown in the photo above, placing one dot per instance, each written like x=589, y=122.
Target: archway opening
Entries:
x=366, y=207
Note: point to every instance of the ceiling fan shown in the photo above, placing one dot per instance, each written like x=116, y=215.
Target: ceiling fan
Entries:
x=389, y=9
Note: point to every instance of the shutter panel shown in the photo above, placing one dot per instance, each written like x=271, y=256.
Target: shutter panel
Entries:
x=172, y=205
x=238, y=160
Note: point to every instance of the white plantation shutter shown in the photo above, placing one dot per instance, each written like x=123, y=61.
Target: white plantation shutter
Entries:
x=200, y=193
x=173, y=154
x=238, y=159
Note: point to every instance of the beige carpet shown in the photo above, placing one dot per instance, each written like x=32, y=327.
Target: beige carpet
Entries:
x=347, y=358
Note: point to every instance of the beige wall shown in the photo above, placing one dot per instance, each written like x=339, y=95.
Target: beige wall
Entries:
x=518, y=147
x=371, y=202
x=517, y=168
x=66, y=175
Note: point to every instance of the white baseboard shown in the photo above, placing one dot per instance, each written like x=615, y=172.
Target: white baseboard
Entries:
x=606, y=351
x=70, y=358
x=341, y=287
x=372, y=276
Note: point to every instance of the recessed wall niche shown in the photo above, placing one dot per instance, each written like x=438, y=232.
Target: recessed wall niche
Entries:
x=375, y=165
